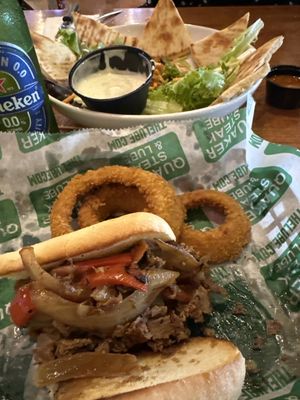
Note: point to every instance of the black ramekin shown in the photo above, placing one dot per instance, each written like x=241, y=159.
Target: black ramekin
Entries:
x=121, y=58
x=282, y=96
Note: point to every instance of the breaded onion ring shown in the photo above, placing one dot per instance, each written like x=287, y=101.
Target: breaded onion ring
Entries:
x=108, y=201
x=159, y=194
x=226, y=241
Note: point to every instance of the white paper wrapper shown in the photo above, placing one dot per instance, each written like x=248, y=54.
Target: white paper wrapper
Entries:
x=223, y=154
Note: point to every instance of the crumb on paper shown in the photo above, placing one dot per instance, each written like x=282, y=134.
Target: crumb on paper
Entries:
x=239, y=309
x=273, y=327
x=251, y=367
x=258, y=343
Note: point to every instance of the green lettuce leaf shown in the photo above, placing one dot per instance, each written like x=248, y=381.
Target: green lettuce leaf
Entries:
x=69, y=38
x=170, y=71
x=197, y=89
x=230, y=62
x=243, y=42
x=163, y=106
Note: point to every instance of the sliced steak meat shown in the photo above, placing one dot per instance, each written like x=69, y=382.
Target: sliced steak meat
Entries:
x=198, y=306
x=155, y=328
x=160, y=328
x=180, y=330
x=170, y=326
x=66, y=347
x=130, y=334
x=152, y=261
x=161, y=324
x=104, y=346
x=45, y=348
x=161, y=345
x=156, y=311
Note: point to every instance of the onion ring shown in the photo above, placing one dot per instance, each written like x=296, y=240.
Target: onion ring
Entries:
x=159, y=194
x=108, y=201
x=225, y=242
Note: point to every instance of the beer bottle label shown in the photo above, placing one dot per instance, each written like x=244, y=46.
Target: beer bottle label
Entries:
x=22, y=99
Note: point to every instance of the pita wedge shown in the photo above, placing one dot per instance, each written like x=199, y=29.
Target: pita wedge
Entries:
x=209, y=51
x=91, y=33
x=55, y=58
x=253, y=68
x=165, y=35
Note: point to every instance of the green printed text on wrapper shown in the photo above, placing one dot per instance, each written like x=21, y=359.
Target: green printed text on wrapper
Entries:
x=10, y=227
x=278, y=379
x=255, y=141
x=137, y=135
x=273, y=148
x=50, y=174
x=288, y=229
x=283, y=276
x=42, y=200
x=164, y=156
x=218, y=135
x=32, y=141
x=261, y=191
x=232, y=177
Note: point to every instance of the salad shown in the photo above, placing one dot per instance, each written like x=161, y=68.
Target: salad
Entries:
x=178, y=84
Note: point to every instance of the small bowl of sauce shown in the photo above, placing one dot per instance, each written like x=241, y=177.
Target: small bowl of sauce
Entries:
x=113, y=79
x=283, y=87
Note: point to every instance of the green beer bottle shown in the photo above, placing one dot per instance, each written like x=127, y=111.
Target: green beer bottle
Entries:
x=24, y=102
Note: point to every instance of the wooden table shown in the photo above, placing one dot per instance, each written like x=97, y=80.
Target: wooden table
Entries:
x=275, y=125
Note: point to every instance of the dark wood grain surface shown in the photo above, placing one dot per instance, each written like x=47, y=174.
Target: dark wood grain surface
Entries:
x=273, y=124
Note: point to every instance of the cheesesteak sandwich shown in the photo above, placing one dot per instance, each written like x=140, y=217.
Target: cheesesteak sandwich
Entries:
x=110, y=307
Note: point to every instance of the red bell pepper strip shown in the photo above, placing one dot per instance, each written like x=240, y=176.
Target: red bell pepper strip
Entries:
x=114, y=275
x=22, y=308
x=86, y=265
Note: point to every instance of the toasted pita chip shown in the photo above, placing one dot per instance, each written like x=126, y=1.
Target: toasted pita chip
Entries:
x=259, y=57
x=254, y=67
x=211, y=49
x=165, y=35
x=55, y=58
x=92, y=33
x=243, y=85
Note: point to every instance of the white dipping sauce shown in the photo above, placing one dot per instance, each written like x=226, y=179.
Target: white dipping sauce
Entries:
x=106, y=84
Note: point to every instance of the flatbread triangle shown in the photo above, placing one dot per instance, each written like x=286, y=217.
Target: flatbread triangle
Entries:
x=254, y=67
x=259, y=57
x=209, y=50
x=54, y=57
x=92, y=33
x=165, y=34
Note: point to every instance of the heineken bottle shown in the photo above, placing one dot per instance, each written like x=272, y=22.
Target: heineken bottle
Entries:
x=24, y=102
